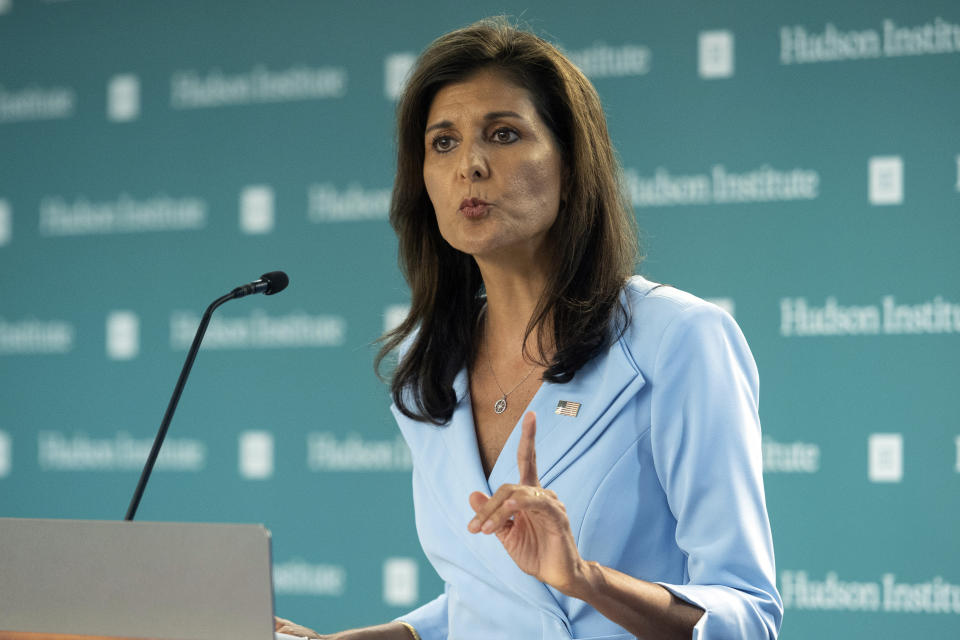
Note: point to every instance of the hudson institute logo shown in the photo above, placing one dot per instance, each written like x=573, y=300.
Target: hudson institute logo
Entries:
x=36, y=103
x=297, y=577
x=396, y=69
x=33, y=336
x=256, y=210
x=885, y=184
x=799, y=46
x=6, y=454
x=125, y=214
x=192, y=89
x=327, y=203
x=123, y=98
x=326, y=451
x=885, y=457
x=400, y=581
x=801, y=591
x=721, y=186
x=393, y=315
x=123, y=335
x=715, y=54
x=800, y=318
x=790, y=457
x=259, y=330
x=60, y=451
x=255, y=460
x=603, y=61
x=6, y=223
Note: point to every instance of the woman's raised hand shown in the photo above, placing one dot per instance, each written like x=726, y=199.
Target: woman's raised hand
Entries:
x=531, y=522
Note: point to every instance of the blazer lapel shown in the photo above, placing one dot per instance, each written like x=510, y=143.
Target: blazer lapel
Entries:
x=455, y=458
x=602, y=387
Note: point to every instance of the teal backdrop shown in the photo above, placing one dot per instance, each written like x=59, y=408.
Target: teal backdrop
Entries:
x=796, y=163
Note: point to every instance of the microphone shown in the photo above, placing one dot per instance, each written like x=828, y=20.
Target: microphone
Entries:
x=268, y=284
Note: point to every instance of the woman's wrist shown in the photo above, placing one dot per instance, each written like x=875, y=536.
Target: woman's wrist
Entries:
x=586, y=581
x=642, y=608
x=389, y=631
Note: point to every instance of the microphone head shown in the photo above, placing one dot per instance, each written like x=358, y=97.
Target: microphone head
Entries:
x=276, y=281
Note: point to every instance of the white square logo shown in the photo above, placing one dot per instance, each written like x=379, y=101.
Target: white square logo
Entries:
x=123, y=98
x=885, y=457
x=256, y=209
x=6, y=222
x=400, y=581
x=393, y=315
x=256, y=455
x=6, y=454
x=123, y=335
x=716, y=54
x=396, y=68
x=957, y=442
x=886, y=180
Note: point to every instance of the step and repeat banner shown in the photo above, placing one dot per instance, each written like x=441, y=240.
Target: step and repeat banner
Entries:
x=796, y=163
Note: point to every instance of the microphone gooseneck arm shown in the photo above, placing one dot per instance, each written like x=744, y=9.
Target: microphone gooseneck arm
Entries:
x=172, y=405
x=269, y=284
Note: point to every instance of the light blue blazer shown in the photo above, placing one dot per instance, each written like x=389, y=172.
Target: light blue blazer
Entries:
x=660, y=473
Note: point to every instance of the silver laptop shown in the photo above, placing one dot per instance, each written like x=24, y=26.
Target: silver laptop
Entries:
x=176, y=581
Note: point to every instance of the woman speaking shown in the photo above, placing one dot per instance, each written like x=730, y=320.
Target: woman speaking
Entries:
x=585, y=442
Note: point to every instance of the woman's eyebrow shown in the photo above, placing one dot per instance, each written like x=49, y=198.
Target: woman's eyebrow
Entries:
x=443, y=124
x=496, y=115
x=493, y=115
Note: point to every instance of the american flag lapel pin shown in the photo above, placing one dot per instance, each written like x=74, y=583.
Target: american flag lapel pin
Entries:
x=567, y=408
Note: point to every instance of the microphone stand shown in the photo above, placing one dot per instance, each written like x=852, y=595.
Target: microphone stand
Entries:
x=172, y=406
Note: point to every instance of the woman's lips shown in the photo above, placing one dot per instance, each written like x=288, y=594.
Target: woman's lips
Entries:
x=474, y=207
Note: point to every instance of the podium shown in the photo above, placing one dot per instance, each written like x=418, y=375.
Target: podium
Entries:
x=88, y=579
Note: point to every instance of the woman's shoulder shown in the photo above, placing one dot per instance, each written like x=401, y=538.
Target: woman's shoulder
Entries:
x=657, y=310
x=663, y=302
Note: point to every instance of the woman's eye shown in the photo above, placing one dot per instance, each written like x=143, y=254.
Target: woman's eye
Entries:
x=443, y=143
x=505, y=135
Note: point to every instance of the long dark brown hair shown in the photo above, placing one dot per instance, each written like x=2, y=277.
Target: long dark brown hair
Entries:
x=594, y=239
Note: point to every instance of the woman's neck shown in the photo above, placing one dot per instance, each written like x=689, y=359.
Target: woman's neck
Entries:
x=512, y=299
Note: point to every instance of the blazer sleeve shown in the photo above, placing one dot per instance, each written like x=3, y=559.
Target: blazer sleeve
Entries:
x=430, y=620
x=705, y=435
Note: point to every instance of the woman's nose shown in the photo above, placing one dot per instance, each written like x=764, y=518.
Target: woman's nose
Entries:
x=473, y=163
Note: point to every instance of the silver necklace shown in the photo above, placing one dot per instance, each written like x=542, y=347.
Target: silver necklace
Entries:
x=501, y=405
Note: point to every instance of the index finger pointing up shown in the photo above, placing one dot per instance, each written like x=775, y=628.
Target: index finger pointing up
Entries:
x=526, y=451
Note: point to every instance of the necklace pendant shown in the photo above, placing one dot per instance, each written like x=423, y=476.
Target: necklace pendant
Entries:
x=501, y=405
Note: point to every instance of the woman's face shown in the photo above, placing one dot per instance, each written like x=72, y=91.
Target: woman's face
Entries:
x=492, y=169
